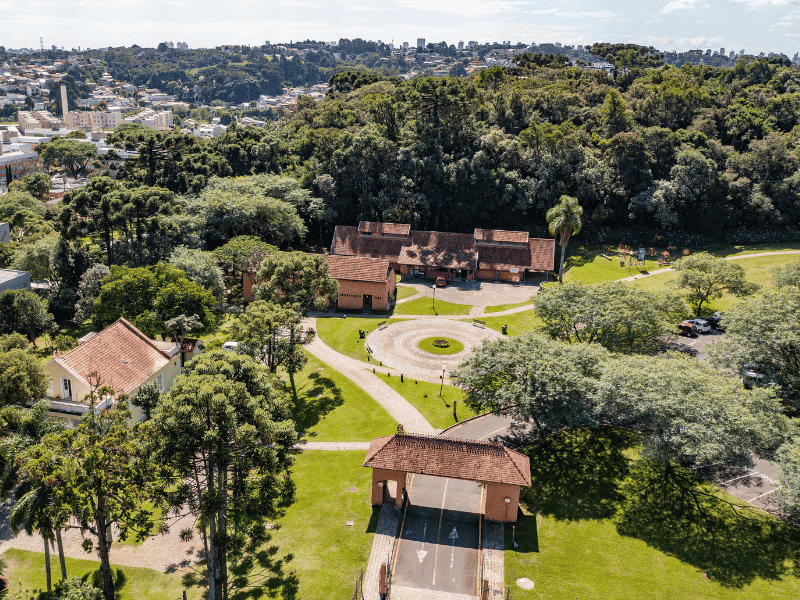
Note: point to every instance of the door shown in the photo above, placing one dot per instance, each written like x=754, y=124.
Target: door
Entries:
x=368, y=301
x=66, y=388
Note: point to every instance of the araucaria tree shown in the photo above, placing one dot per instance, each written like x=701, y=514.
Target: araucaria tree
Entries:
x=100, y=476
x=223, y=431
x=564, y=220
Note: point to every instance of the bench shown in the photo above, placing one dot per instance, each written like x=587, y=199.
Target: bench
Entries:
x=479, y=323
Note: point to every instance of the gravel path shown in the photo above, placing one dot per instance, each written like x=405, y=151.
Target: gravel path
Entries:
x=356, y=371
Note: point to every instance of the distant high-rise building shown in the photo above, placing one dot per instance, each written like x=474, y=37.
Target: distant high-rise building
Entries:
x=580, y=48
x=732, y=55
x=472, y=44
x=722, y=51
x=420, y=42
x=557, y=44
x=170, y=45
x=460, y=45
x=405, y=45
x=182, y=46
x=741, y=52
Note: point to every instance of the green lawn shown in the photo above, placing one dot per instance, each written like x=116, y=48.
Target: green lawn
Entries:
x=502, y=307
x=406, y=292
x=27, y=578
x=331, y=408
x=428, y=346
x=425, y=306
x=424, y=396
x=342, y=334
x=215, y=336
x=312, y=538
x=517, y=323
x=757, y=270
x=605, y=529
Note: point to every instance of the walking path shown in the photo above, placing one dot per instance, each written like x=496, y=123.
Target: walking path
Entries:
x=398, y=407
x=303, y=445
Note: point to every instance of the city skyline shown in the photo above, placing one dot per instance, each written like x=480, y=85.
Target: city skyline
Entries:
x=755, y=25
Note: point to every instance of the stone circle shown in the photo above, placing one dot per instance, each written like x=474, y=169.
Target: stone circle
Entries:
x=525, y=583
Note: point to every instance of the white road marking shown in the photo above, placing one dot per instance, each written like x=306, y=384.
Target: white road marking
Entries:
x=421, y=554
x=453, y=536
x=764, y=494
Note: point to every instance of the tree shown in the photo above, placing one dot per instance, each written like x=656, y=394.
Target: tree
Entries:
x=243, y=253
x=786, y=275
x=33, y=508
x=98, y=471
x=77, y=589
x=37, y=184
x=149, y=297
x=264, y=330
x=24, y=312
x=619, y=317
x=88, y=289
x=37, y=258
x=615, y=114
x=763, y=333
x=689, y=414
x=22, y=378
x=788, y=491
x=146, y=397
x=224, y=431
x=201, y=267
x=301, y=282
x=705, y=277
x=545, y=384
x=564, y=220
x=72, y=155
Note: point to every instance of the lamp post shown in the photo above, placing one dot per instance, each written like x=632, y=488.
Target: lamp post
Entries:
x=444, y=367
x=434, y=297
x=507, y=501
x=380, y=485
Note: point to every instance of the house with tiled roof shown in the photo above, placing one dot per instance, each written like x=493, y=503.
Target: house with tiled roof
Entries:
x=489, y=254
x=364, y=283
x=120, y=357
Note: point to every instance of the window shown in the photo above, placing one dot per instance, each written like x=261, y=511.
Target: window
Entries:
x=160, y=381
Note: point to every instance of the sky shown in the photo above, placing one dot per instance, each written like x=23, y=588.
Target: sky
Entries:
x=753, y=25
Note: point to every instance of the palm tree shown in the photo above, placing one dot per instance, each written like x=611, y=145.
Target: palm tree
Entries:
x=31, y=425
x=564, y=219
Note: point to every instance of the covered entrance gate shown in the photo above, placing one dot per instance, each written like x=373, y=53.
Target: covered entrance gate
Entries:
x=448, y=485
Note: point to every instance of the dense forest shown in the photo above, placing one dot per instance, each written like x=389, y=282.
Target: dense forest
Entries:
x=692, y=151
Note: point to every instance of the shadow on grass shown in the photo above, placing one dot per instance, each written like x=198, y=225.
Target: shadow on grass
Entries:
x=577, y=475
x=315, y=399
x=688, y=519
x=578, y=256
x=372, y=526
x=525, y=533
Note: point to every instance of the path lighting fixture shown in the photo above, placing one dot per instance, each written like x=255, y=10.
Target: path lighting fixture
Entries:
x=444, y=368
x=507, y=501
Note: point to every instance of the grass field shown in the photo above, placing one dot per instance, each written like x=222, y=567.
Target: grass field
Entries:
x=517, y=323
x=331, y=408
x=424, y=396
x=27, y=578
x=607, y=529
x=757, y=270
x=502, y=307
x=312, y=538
x=428, y=346
x=342, y=334
x=406, y=292
x=217, y=335
x=426, y=306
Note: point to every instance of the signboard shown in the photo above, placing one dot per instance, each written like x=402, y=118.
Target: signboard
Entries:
x=641, y=254
x=513, y=270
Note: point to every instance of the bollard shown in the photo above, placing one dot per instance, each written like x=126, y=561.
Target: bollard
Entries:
x=367, y=357
x=388, y=375
x=380, y=361
x=373, y=369
x=401, y=378
x=505, y=329
x=455, y=416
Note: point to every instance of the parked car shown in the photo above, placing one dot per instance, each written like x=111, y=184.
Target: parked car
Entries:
x=752, y=378
x=702, y=325
x=441, y=282
x=715, y=320
x=230, y=346
x=687, y=328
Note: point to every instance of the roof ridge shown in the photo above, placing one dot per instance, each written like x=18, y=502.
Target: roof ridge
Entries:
x=130, y=326
x=510, y=452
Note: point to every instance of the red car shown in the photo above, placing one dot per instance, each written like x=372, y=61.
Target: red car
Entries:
x=688, y=329
x=441, y=282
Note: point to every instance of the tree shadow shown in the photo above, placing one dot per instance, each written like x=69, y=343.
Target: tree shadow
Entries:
x=689, y=519
x=315, y=399
x=576, y=475
x=578, y=256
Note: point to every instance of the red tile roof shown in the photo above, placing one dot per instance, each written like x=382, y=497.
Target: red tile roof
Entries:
x=538, y=255
x=347, y=242
x=438, y=249
x=358, y=268
x=448, y=457
x=384, y=228
x=500, y=236
x=122, y=355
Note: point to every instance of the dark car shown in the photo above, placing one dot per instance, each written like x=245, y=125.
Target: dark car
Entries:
x=688, y=329
x=715, y=321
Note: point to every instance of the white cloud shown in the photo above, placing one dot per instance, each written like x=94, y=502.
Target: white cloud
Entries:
x=756, y=3
x=677, y=5
x=464, y=8
x=6, y=5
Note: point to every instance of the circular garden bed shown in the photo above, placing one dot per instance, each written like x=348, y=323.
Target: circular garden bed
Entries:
x=440, y=345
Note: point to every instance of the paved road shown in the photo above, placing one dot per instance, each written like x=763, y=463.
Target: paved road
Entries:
x=438, y=547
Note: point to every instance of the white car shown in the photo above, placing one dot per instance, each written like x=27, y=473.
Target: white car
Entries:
x=702, y=325
x=230, y=346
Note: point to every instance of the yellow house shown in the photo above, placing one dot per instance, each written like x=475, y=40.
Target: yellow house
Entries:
x=120, y=357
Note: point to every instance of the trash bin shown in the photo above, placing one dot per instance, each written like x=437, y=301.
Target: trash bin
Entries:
x=361, y=334
x=505, y=329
